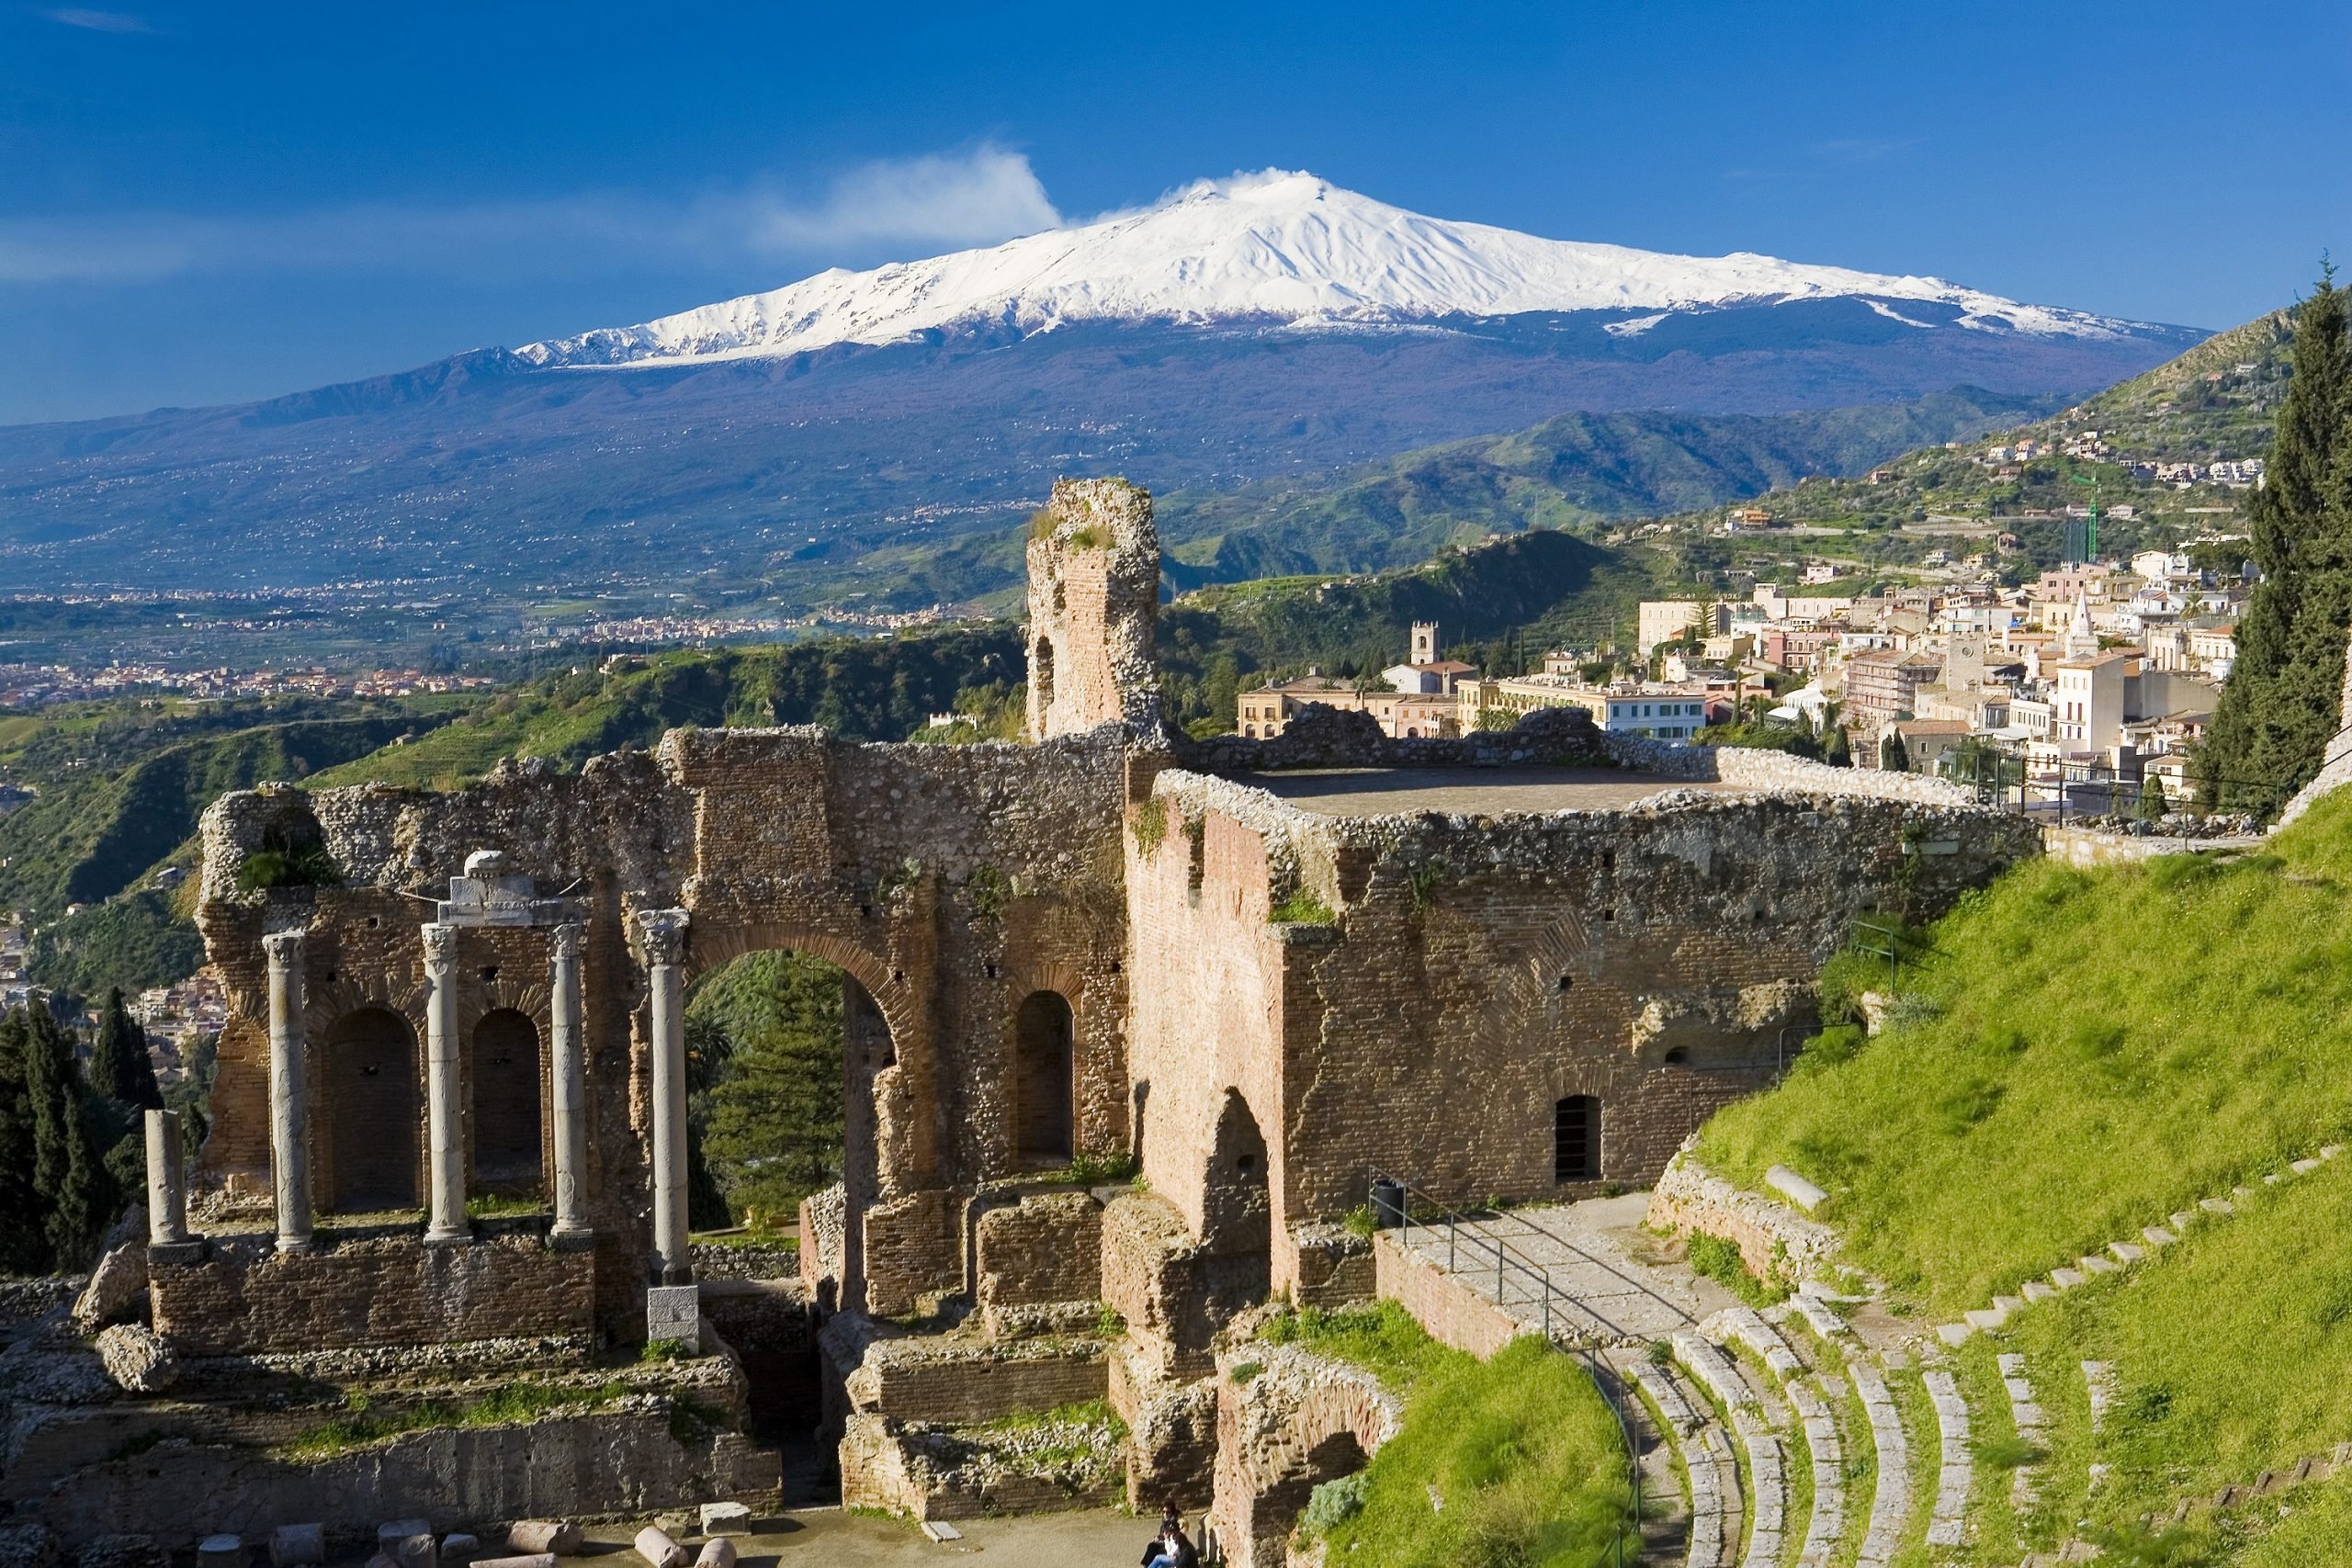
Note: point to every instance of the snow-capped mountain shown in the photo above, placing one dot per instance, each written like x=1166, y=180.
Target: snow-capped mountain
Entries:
x=1286, y=250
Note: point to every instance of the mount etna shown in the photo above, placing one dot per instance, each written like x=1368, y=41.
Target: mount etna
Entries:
x=1265, y=327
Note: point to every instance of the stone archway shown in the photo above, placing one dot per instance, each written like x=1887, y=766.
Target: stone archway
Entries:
x=506, y=1121
x=374, y=1103
x=1044, y=1083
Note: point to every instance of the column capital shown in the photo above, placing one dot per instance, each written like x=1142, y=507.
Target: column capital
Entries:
x=284, y=948
x=664, y=934
x=440, y=942
x=565, y=939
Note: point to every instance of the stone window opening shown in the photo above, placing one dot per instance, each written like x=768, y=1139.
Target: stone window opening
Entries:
x=1566, y=983
x=1576, y=1139
x=1041, y=669
x=1679, y=1056
x=1237, y=1206
x=1045, y=1081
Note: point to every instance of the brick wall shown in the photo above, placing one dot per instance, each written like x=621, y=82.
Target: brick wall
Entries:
x=1453, y=1312
x=1043, y=1247
x=243, y=1300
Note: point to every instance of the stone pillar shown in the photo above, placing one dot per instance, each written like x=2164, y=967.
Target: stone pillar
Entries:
x=290, y=1101
x=166, y=1188
x=444, y=1114
x=665, y=936
x=568, y=1092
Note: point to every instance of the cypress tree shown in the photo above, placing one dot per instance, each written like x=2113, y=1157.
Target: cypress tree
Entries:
x=76, y=1195
x=23, y=1245
x=120, y=1067
x=2284, y=699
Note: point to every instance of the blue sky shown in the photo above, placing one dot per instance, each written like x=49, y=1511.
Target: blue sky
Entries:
x=201, y=203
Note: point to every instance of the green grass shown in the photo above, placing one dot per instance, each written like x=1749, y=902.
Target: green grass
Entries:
x=2089, y=1051
x=361, y=1425
x=1383, y=1338
x=1304, y=906
x=1525, y=1456
x=1720, y=1261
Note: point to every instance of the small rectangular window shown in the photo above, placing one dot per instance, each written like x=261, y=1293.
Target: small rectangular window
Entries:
x=1576, y=1139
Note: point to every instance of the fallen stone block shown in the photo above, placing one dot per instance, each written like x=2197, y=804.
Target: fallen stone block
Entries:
x=458, y=1546
x=533, y=1560
x=298, y=1546
x=1795, y=1188
x=726, y=1518
x=941, y=1531
x=113, y=1287
x=658, y=1549
x=220, y=1551
x=555, y=1537
x=137, y=1359
x=717, y=1552
x=418, y=1551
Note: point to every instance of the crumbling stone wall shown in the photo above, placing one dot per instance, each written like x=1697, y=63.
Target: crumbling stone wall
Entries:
x=1288, y=1420
x=1093, y=608
x=247, y=1299
x=1476, y=971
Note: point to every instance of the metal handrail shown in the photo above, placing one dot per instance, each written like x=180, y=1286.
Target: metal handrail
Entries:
x=1508, y=1259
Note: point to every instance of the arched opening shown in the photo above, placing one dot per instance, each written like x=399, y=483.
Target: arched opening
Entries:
x=506, y=1124
x=1237, y=1208
x=1043, y=1037
x=1576, y=1139
x=1041, y=672
x=372, y=1075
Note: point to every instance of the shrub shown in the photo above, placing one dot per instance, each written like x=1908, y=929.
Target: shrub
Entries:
x=1151, y=826
x=1334, y=1503
x=289, y=858
x=1303, y=907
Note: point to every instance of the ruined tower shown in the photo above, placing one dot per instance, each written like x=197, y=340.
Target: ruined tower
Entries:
x=1094, y=609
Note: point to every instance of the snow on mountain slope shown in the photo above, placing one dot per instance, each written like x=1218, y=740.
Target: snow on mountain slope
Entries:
x=1276, y=247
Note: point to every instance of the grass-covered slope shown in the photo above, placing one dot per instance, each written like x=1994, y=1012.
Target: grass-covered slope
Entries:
x=2080, y=1054
x=1514, y=1460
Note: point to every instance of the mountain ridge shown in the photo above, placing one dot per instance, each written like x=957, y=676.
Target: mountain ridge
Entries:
x=1279, y=249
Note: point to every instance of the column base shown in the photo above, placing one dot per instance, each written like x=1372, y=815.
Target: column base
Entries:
x=188, y=1251
x=571, y=1241
x=296, y=1246
x=450, y=1238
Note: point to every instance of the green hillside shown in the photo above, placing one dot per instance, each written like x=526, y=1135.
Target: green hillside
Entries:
x=1579, y=470
x=2216, y=402
x=84, y=838
x=2076, y=1056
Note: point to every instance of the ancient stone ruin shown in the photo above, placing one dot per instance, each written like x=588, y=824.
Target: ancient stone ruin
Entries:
x=449, y=1127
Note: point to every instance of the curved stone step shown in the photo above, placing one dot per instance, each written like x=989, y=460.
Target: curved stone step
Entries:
x=1891, y=1502
x=1719, y=1374
x=1827, y=1527
x=1705, y=1456
x=1948, y=1524
x=2032, y=1425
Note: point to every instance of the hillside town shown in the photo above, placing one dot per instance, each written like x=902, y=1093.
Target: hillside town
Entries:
x=2067, y=693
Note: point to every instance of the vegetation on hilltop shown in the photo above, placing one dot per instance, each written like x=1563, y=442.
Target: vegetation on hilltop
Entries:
x=1578, y=471
x=860, y=689
x=2282, y=704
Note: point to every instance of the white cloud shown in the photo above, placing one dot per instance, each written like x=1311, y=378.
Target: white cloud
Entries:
x=922, y=204
x=98, y=21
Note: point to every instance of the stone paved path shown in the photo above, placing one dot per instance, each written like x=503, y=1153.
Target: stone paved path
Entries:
x=1593, y=1251
x=828, y=1537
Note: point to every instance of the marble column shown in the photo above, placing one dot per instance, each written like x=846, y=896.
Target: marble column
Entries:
x=665, y=936
x=289, y=1100
x=444, y=1114
x=166, y=1183
x=568, y=1092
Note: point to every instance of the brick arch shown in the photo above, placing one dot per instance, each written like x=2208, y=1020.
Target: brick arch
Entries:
x=709, y=946
x=327, y=1002
x=1527, y=988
